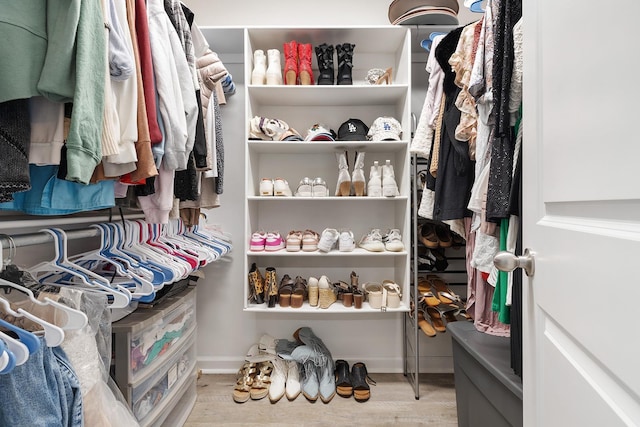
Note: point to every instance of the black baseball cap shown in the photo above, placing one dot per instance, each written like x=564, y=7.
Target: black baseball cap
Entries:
x=353, y=130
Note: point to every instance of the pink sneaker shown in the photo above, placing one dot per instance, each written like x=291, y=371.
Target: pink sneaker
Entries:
x=258, y=241
x=274, y=242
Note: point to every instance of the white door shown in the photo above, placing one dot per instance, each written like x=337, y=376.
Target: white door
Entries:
x=581, y=178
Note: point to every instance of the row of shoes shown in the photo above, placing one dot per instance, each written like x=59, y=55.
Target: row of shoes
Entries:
x=382, y=182
x=432, y=259
x=384, y=128
x=297, y=68
x=304, y=365
x=330, y=239
x=437, y=305
x=436, y=234
x=292, y=291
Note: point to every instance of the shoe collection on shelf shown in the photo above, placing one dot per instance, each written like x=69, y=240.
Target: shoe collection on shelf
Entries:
x=281, y=367
x=337, y=76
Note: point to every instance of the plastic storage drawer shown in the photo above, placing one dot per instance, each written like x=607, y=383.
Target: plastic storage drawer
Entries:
x=151, y=398
x=143, y=339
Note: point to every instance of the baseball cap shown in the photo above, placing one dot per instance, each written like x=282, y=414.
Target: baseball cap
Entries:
x=318, y=132
x=385, y=129
x=353, y=130
x=291, y=135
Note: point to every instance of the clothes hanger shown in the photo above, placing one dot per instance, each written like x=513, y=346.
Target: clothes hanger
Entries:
x=46, y=271
x=427, y=43
x=75, y=319
x=139, y=286
x=53, y=334
x=15, y=348
x=7, y=359
x=132, y=246
x=474, y=5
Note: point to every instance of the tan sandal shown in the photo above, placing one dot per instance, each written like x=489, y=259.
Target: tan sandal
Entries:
x=242, y=389
x=260, y=385
x=424, y=289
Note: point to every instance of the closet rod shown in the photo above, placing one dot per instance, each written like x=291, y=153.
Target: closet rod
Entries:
x=41, y=237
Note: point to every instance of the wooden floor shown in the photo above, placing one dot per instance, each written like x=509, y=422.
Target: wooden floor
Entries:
x=392, y=403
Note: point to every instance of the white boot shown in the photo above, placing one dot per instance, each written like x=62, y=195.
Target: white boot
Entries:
x=389, y=186
x=343, y=187
x=278, y=379
x=274, y=72
x=374, y=187
x=357, y=176
x=292, y=385
x=259, y=67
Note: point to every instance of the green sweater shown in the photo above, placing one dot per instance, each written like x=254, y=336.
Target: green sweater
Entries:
x=57, y=49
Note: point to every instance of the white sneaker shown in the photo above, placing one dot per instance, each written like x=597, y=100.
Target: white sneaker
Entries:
x=292, y=385
x=393, y=241
x=328, y=239
x=374, y=186
x=278, y=379
x=372, y=241
x=266, y=187
x=346, y=242
x=281, y=187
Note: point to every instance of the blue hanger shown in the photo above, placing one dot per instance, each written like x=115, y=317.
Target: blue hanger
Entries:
x=476, y=7
x=11, y=360
x=426, y=43
x=27, y=338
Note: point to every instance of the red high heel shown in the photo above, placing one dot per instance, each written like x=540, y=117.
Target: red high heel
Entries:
x=291, y=63
x=304, y=63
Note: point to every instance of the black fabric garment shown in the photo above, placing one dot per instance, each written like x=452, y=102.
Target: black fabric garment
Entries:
x=455, y=168
x=15, y=138
x=503, y=140
x=146, y=189
x=219, y=144
x=185, y=185
x=200, y=145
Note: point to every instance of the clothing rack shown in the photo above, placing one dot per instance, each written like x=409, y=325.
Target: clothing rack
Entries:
x=40, y=237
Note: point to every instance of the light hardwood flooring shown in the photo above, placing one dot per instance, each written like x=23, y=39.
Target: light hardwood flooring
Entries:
x=392, y=403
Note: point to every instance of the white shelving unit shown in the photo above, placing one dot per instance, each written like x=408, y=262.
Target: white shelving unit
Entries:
x=303, y=106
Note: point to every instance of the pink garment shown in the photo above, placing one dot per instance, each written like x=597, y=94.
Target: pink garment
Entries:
x=480, y=295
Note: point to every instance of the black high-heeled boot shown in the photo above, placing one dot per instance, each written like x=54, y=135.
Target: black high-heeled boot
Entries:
x=345, y=63
x=324, y=54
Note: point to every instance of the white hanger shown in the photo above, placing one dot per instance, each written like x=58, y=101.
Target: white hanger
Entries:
x=18, y=349
x=53, y=335
x=120, y=296
x=75, y=319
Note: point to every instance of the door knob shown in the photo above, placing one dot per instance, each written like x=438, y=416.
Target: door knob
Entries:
x=507, y=261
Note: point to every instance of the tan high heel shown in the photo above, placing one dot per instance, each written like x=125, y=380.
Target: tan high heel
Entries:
x=386, y=77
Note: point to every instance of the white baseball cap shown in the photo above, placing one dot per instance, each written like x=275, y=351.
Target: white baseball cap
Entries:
x=385, y=129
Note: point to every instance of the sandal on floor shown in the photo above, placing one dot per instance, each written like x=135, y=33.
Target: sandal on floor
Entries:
x=242, y=389
x=261, y=381
x=360, y=380
x=299, y=294
x=344, y=387
x=285, y=290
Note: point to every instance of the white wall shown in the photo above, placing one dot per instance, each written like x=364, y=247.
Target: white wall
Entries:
x=225, y=332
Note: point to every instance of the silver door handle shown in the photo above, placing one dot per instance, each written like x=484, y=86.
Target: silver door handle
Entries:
x=507, y=261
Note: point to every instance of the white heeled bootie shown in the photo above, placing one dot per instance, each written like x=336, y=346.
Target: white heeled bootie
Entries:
x=343, y=187
x=274, y=71
x=374, y=187
x=259, y=72
x=389, y=185
x=357, y=176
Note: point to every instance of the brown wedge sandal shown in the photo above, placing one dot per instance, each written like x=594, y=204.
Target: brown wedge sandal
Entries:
x=299, y=294
x=285, y=290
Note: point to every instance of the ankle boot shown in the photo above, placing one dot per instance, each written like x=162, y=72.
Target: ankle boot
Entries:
x=374, y=187
x=357, y=176
x=274, y=72
x=389, y=185
x=305, y=72
x=256, y=284
x=271, y=286
x=324, y=54
x=259, y=68
x=291, y=63
x=345, y=63
x=343, y=187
